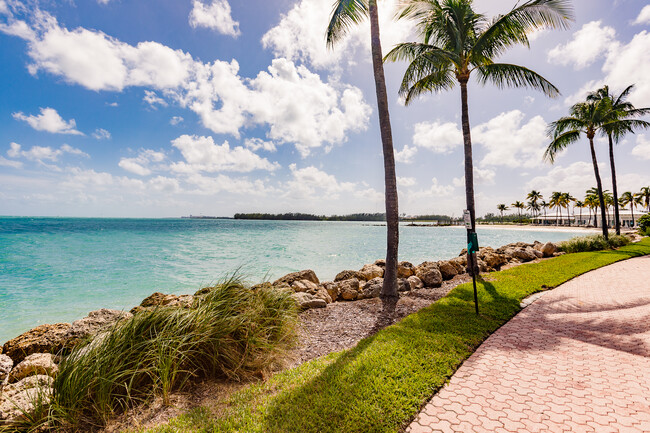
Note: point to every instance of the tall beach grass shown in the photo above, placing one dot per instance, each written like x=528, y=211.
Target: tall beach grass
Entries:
x=582, y=244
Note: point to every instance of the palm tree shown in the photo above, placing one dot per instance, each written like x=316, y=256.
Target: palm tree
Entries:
x=533, y=198
x=621, y=122
x=544, y=205
x=644, y=195
x=580, y=205
x=565, y=201
x=457, y=41
x=518, y=205
x=502, y=208
x=347, y=13
x=556, y=202
x=586, y=118
x=533, y=207
x=592, y=201
x=628, y=198
x=609, y=202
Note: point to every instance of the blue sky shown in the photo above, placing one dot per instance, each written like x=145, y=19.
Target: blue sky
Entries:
x=158, y=108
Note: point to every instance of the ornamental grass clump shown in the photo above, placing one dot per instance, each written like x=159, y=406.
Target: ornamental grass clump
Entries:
x=232, y=332
x=592, y=243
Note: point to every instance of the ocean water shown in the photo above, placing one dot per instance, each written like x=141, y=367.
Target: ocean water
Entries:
x=58, y=269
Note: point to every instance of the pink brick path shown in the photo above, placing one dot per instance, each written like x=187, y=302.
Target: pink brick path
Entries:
x=577, y=359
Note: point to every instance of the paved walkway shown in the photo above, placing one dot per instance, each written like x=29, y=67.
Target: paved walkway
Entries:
x=577, y=359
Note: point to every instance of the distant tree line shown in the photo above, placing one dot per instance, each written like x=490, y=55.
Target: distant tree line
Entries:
x=296, y=216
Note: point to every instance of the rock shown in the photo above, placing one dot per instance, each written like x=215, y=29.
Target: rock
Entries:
x=482, y=266
x=6, y=364
x=349, y=289
x=415, y=282
x=405, y=269
x=261, y=286
x=95, y=322
x=161, y=300
x=549, y=249
x=447, y=270
x=459, y=263
x=306, y=301
x=381, y=263
x=17, y=399
x=321, y=293
x=429, y=273
x=347, y=275
x=34, y=364
x=495, y=260
x=403, y=285
x=332, y=289
x=521, y=254
x=538, y=245
x=368, y=272
x=372, y=288
x=42, y=339
x=304, y=286
x=295, y=276
x=537, y=253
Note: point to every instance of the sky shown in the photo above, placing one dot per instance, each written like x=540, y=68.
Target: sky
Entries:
x=163, y=108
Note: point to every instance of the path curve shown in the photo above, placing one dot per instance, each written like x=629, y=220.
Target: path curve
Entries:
x=577, y=360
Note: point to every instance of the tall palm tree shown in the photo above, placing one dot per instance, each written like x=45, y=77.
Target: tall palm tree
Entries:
x=544, y=205
x=621, y=121
x=585, y=118
x=609, y=202
x=556, y=202
x=457, y=41
x=519, y=206
x=644, y=195
x=565, y=202
x=580, y=205
x=627, y=198
x=533, y=198
x=347, y=13
x=534, y=207
x=591, y=201
x=502, y=208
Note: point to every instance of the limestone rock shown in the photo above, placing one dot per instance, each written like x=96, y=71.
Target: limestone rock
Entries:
x=95, y=322
x=537, y=253
x=19, y=398
x=349, y=289
x=296, y=276
x=381, y=263
x=405, y=269
x=549, y=249
x=415, y=282
x=332, y=289
x=368, y=272
x=6, y=364
x=372, y=288
x=261, y=286
x=304, y=286
x=523, y=254
x=403, y=285
x=321, y=293
x=306, y=301
x=495, y=260
x=347, y=275
x=34, y=364
x=161, y=300
x=447, y=270
x=429, y=273
x=42, y=339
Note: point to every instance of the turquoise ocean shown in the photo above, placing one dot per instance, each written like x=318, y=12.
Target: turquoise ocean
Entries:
x=58, y=269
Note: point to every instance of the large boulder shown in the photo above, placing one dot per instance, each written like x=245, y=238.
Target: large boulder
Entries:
x=523, y=254
x=415, y=282
x=304, y=286
x=95, y=322
x=332, y=290
x=405, y=269
x=403, y=285
x=368, y=272
x=42, y=339
x=306, y=301
x=34, y=364
x=296, y=276
x=6, y=364
x=372, y=288
x=349, y=289
x=495, y=260
x=447, y=270
x=549, y=249
x=348, y=274
x=381, y=263
x=429, y=273
x=161, y=300
x=17, y=399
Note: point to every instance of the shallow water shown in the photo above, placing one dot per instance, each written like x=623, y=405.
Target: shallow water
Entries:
x=59, y=269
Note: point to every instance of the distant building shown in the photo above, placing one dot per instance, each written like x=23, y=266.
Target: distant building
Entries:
x=585, y=220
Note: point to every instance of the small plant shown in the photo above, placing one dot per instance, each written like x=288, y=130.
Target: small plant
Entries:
x=592, y=243
x=644, y=225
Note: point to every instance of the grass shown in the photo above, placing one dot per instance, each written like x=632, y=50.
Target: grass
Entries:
x=381, y=384
x=593, y=243
x=232, y=332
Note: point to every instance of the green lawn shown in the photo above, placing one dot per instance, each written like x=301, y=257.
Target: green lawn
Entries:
x=381, y=384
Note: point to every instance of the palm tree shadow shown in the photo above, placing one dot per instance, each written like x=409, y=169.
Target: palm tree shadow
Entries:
x=386, y=316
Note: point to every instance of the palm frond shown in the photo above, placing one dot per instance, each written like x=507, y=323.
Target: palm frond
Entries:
x=560, y=143
x=507, y=75
x=564, y=124
x=436, y=80
x=345, y=14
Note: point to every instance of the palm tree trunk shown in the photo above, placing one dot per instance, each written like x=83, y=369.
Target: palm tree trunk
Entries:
x=389, y=289
x=469, y=170
x=632, y=210
x=614, y=188
x=599, y=184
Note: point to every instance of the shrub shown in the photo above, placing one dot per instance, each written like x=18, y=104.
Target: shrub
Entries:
x=592, y=243
x=644, y=224
x=232, y=332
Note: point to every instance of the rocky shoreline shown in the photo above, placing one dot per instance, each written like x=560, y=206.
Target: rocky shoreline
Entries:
x=28, y=363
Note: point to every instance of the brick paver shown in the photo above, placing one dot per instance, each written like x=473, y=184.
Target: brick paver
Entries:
x=577, y=359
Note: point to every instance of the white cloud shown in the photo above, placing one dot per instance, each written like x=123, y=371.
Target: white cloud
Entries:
x=481, y=177
x=176, y=120
x=215, y=16
x=437, y=136
x=203, y=154
x=588, y=44
x=101, y=134
x=406, y=182
x=575, y=179
x=42, y=153
x=406, y=155
x=511, y=143
x=140, y=164
x=103, y=2
x=112, y=104
x=4, y=162
x=256, y=144
x=644, y=16
x=436, y=190
x=309, y=181
x=642, y=148
x=151, y=98
x=300, y=34
x=629, y=64
x=50, y=121
x=204, y=185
